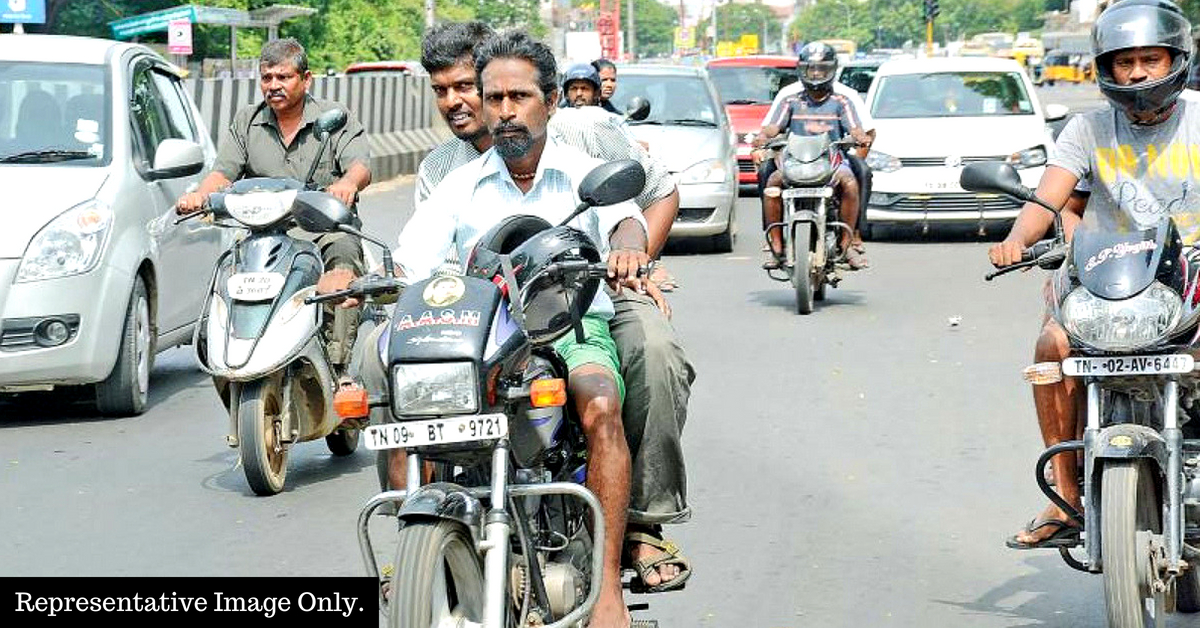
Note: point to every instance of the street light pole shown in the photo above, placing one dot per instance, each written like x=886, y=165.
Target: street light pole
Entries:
x=429, y=14
x=716, y=37
x=632, y=33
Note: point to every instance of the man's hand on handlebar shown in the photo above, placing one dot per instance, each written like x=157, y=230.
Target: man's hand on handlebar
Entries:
x=336, y=280
x=628, y=267
x=1006, y=253
x=190, y=203
x=344, y=191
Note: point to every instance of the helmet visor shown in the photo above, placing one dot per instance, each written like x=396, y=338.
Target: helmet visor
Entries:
x=817, y=71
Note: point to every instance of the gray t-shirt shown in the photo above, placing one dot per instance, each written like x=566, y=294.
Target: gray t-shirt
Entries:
x=1136, y=174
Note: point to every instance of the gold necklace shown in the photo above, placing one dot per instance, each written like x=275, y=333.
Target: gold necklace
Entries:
x=522, y=177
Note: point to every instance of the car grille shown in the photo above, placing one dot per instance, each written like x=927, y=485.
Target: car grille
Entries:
x=954, y=202
x=941, y=161
x=694, y=214
x=746, y=165
x=17, y=334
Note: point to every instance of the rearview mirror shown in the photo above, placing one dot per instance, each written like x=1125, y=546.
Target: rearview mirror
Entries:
x=331, y=121
x=176, y=158
x=637, y=108
x=612, y=182
x=994, y=176
x=318, y=212
x=1055, y=112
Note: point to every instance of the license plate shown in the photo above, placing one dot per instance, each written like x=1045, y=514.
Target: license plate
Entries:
x=938, y=185
x=254, y=286
x=449, y=430
x=1128, y=365
x=808, y=193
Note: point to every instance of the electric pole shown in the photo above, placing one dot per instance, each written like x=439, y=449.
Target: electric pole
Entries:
x=429, y=14
x=632, y=34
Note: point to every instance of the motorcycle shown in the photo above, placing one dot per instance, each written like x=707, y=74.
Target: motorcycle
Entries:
x=506, y=534
x=811, y=223
x=257, y=337
x=1127, y=299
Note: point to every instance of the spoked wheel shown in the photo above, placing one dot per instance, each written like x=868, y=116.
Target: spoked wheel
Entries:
x=1129, y=516
x=260, y=436
x=438, y=582
x=802, y=275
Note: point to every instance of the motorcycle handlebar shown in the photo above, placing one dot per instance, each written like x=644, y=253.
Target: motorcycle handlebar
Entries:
x=367, y=286
x=1047, y=254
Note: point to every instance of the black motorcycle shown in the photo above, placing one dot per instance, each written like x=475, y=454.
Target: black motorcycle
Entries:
x=506, y=535
x=1127, y=298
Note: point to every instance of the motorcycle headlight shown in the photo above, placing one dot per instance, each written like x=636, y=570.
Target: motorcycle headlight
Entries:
x=708, y=171
x=259, y=209
x=796, y=171
x=434, y=389
x=1028, y=158
x=1124, y=325
x=69, y=245
x=882, y=162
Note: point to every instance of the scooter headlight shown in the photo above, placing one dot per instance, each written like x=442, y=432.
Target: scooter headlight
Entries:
x=434, y=389
x=259, y=209
x=1123, y=325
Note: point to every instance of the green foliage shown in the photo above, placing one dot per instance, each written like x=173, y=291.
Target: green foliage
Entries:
x=655, y=25
x=508, y=14
x=735, y=20
x=891, y=23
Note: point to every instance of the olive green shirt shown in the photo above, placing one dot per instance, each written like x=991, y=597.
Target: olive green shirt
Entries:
x=252, y=146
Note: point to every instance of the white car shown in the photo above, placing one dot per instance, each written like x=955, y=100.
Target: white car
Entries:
x=932, y=116
x=97, y=140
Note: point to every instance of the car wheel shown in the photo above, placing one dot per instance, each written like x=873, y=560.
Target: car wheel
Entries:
x=723, y=242
x=125, y=390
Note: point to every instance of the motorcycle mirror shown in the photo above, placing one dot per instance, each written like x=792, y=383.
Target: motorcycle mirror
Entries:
x=637, y=109
x=612, y=182
x=318, y=212
x=331, y=121
x=994, y=176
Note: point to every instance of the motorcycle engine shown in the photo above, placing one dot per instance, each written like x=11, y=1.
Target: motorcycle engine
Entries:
x=565, y=587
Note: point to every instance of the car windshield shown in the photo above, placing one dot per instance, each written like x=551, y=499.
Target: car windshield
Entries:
x=858, y=77
x=951, y=94
x=747, y=85
x=673, y=99
x=53, y=113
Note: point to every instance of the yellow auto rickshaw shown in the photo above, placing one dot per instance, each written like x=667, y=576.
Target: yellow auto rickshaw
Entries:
x=1069, y=67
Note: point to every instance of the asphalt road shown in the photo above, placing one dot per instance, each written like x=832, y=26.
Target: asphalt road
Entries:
x=857, y=467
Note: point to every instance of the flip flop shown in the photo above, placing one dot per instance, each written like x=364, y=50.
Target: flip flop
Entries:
x=669, y=555
x=1064, y=535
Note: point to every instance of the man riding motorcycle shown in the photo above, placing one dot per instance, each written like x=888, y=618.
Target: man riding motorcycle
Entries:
x=814, y=111
x=581, y=85
x=1142, y=50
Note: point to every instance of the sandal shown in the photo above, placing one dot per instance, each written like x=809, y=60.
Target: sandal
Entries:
x=1065, y=535
x=670, y=555
x=665, y=281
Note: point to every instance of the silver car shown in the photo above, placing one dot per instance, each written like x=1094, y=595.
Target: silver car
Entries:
x=97, y=140
x=688, y=130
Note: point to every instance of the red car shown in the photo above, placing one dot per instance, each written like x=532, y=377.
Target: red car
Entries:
x=747, y=85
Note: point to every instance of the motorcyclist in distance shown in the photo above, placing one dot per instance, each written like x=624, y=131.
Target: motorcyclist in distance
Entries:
x=1142, y=50
x=581, y=85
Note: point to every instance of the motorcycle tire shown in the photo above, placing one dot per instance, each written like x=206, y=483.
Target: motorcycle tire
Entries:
x=127, y=388
x=1187, y=591
x=802, y=275
x=1128, y=505
x=343, y=442
x=438, y=578
x=260, y=420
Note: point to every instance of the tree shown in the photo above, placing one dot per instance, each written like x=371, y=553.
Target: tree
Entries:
x=735, y=20
x=655, y=23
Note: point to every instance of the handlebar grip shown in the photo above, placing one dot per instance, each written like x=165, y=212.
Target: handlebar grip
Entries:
x=1037, y=250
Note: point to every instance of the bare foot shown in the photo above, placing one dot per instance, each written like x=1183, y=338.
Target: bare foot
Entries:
x=610, y=611
x=664, y=573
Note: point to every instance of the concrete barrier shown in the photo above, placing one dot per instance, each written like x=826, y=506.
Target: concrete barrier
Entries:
x=397, y=111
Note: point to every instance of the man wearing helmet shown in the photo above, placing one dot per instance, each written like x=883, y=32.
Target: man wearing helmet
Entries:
x=581, y=85
x=1122, y=154
x=815, y=111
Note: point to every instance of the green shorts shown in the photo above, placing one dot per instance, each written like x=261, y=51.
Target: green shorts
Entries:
x=598, y=347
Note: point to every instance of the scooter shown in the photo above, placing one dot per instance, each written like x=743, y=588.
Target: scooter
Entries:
x=257, y=338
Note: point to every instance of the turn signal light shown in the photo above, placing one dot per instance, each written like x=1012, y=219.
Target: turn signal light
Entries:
x=1043, y=373
x=350, y=402
x=548, y=393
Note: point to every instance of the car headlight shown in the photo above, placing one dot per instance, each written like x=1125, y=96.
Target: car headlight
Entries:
x=259, y=209
x=1123, y=325
x=748, y=138
x=708, y=171
x=1028, y=158
x=69, y=245
x=434, y=389
x=882, y=162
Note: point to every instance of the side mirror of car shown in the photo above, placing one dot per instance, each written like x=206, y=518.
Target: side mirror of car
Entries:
x=1055, y=112
x=612, y=182
x=637, y=109
x=994, y=176
x=176, y=158
x=319, y=212
x=331, y=121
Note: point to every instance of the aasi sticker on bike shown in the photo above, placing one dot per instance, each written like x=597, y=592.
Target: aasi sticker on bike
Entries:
x=427, y=318
x=444, y=291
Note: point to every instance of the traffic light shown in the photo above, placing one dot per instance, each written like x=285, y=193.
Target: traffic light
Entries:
x=931, y=9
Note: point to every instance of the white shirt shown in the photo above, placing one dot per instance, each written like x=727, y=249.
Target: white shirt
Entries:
x=860, y=107
x=477, y=195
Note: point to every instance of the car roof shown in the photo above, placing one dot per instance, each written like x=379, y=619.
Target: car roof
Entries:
x=379, y=66
x=59, y=48
x=770, y=61
x=660, y=70
x=947, y=64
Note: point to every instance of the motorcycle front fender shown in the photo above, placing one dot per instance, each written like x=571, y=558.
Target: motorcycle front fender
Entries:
x=447, y=501
x=1127, y=441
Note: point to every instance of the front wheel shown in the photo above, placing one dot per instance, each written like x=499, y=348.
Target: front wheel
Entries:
x=438, y=580
x=125, y=391
x=1187, y=590
x=343, y=441
x=260, y=436
x=802, y=275
x=1129, y=515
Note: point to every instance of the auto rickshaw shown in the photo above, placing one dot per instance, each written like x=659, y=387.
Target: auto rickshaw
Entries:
x=1067, y=66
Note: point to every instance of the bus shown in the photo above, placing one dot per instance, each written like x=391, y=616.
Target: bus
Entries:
x=845, y=48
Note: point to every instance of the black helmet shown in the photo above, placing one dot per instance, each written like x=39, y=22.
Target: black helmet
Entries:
x=503, y=238
x=1142, y=24
x=582, y=72
x=550, y=301
x=817, y=64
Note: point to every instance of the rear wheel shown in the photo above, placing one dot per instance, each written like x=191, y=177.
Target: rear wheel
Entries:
x=802, y=275
x=260, y=436
x=438, y=580
x=343, y=441
x=1187, y=590
x=125, y=391
x=1129, y=516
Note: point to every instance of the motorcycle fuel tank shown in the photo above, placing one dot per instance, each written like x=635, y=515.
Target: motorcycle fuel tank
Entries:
x=443, y=318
